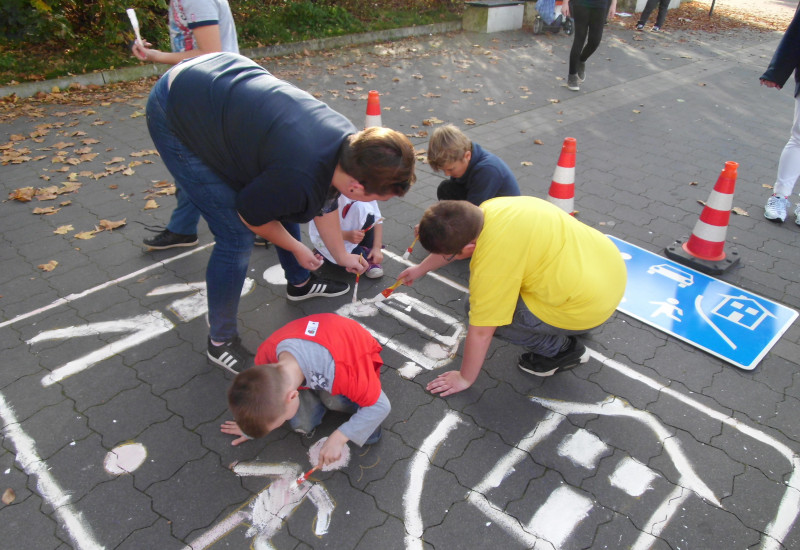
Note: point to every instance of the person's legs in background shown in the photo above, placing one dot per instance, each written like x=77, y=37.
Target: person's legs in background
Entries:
x=788, y=172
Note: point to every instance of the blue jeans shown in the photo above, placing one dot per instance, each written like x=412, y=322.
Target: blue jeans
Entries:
x=184, y=218
x=216, y=201
x=532, y=333
x=313, y=406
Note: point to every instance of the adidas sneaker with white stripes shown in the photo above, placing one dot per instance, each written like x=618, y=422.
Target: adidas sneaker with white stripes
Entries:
x=231, y=356
x=316, y=287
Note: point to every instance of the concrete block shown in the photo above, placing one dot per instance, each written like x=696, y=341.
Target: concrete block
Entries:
x=493, y=16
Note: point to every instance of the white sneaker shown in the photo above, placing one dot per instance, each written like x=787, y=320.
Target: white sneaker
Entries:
x=797, y=215
x=775, y=210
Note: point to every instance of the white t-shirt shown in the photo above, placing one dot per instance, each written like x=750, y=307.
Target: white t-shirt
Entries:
x=352, y=215
x=185, y=15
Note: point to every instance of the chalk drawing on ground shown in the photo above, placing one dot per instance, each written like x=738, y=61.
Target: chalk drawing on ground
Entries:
x=564, y=510
x=267, y=511
x=139, y=328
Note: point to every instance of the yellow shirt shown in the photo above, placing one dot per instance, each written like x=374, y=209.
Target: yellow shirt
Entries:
x=569, y=275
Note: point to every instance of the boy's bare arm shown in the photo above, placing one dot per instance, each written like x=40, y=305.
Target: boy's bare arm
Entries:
x=475, y=347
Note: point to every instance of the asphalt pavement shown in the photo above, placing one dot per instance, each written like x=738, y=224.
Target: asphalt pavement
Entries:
x=111, y=411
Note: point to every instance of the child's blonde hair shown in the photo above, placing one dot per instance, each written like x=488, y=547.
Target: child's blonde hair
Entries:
x=257, y=398
x=448, y=144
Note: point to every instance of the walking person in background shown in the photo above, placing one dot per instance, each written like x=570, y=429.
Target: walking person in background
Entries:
x=663, y=5
x=786, y=61
x=590, y=18
x=196, y=27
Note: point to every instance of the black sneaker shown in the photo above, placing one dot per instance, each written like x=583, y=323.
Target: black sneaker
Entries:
x=539, y=365
x=639, y=26
x=232, y=356
x=261, y=241
x=168, y=239
x=316, y=287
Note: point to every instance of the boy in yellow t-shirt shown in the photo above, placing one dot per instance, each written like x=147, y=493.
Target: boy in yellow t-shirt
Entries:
x=538, y=277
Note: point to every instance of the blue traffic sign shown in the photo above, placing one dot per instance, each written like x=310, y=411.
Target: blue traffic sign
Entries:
x=726, y=321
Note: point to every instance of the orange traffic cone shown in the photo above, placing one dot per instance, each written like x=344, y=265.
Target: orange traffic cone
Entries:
x=373, y=110
x=562, y=188
x=705, y=248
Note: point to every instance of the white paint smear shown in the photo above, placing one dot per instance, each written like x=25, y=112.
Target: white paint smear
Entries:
x=275, y=276
x=125, y=459
x=632, y=477
x=563, y=510
x=313, y=456
x=363, y=308
x=582, y=448
x=409, y=370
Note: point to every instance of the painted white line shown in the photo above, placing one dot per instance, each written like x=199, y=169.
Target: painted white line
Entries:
x=142, y=328
x=416, y=478
x=73, y=297
x=47, y=486
x=219, y=530
x=660, y=518
x=432, y=274
x=506, y=464
x=507, y=522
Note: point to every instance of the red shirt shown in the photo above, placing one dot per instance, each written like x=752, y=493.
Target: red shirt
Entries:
x=356, y=354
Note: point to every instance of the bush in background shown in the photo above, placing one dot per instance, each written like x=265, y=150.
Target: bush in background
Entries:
x=42, y=39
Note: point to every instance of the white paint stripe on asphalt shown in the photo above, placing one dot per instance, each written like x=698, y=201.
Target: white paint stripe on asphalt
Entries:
x=49, y=489
x=416, y=477
x=73, y=297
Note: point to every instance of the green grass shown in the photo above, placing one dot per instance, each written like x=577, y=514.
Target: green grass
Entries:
x=257, y=25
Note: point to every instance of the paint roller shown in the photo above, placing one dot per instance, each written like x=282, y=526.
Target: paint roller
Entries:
x=134, y=24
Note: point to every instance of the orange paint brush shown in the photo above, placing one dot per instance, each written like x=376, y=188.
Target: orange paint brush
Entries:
x=388, y=292
x=303, y=477
x=410, y=249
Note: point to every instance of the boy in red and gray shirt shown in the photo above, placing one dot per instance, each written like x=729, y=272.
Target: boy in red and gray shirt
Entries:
x=310, y=366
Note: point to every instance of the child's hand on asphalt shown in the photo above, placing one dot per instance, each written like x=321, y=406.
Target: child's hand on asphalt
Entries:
x=448, y=383
x=232, y=428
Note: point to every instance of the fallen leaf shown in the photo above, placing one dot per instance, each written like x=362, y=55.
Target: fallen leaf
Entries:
x=49, y=266
x=636, y=111
x=23, y=194
x=9, y=496
x=739, y=211
x=431, y=121
x=46, y=211
x=554, y=100
x=693, y=183
x=526, y=163
x=150, y=205
x=85, y=235
x=538, y=142
x=469, y=122
x=107, y=225
x=64, y=229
